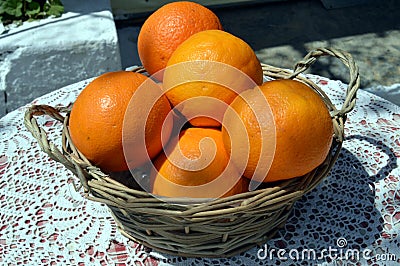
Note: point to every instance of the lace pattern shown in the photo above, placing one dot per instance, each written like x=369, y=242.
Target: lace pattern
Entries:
x=44, y=221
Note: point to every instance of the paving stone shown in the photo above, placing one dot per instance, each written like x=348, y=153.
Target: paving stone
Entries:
x=2, y=104
x=282, y=33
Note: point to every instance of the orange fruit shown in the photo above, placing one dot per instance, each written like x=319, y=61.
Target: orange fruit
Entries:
x=192, y=166
x=170, y=25
x=210, y=64
x=96, y=122
x=303, y=130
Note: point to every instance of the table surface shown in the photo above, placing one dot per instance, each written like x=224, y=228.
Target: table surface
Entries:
x=355, y=210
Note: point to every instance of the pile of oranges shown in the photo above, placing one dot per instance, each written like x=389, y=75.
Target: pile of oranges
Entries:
x=206, y=121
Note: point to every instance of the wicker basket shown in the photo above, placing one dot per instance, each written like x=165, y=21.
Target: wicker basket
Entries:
x=218, y=228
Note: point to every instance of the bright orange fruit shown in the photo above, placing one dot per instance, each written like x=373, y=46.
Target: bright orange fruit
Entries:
x=303, y=129
x=97, y=119
x=214, y=64
x=190, y=166
x=170, y=25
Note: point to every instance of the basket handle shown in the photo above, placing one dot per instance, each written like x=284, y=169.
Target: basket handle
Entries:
x=45, y=144
x=348, y=61
x=339, y=115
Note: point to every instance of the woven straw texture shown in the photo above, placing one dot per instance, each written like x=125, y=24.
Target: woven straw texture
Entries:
x=218, y=228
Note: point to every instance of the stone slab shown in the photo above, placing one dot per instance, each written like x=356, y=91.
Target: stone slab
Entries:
x=41, y=56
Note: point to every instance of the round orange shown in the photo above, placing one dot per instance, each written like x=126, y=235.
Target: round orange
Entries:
x=170, y=25
x=301, y=126
x=210, y=64
x=191, y=167
x=97, y=119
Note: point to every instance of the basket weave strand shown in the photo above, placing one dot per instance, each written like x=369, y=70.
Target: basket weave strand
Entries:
x=218, y=228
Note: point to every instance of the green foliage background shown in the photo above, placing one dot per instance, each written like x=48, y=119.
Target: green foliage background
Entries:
x=17, y=11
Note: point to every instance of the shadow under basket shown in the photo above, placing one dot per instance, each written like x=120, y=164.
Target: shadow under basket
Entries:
x=218, y=228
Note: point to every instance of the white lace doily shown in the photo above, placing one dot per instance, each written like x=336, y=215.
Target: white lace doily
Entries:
x=355, y=210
